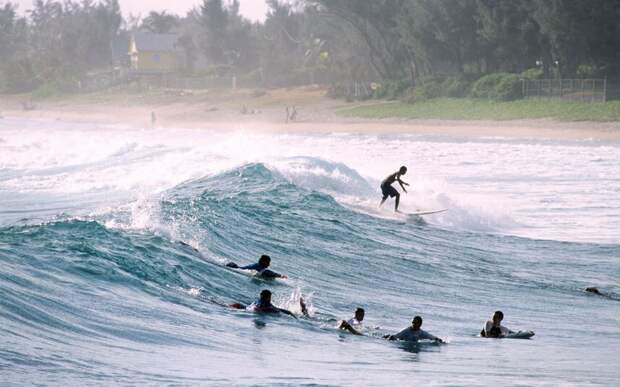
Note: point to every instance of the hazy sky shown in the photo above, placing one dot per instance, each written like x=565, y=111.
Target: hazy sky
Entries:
x=252, y=9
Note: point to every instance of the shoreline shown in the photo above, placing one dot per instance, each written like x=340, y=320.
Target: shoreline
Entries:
x=266, y=113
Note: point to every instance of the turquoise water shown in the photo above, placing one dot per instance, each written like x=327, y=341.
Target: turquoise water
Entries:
x=97, y=287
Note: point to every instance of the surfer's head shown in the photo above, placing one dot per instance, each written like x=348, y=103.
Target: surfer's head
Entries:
x=265, y=296
x=402, y=170
x=264, y=260
x=359, y=314
x=593, y=290
x=416, y=322
x=498, y=316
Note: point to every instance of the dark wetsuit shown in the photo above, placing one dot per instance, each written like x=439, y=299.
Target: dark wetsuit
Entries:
x=262, y=270
x=260, y=306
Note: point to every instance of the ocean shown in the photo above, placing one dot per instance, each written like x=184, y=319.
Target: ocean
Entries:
x=113, y=243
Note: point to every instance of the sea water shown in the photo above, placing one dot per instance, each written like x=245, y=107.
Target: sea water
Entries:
x=113, y=240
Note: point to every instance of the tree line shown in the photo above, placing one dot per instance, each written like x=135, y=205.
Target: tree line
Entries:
x=328, y=41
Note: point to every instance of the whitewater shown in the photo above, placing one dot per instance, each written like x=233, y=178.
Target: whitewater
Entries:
x=113, y=242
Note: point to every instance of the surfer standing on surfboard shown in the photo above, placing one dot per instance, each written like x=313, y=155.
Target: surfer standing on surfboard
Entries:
x=388, y=190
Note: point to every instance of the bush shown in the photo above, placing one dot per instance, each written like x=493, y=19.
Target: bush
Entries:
x=509, y=88
x=435, y=87
x=429, y=88
x=485, y=86
x=588, y=71
x=498, y=87
x=535, y=73
x=455, y=87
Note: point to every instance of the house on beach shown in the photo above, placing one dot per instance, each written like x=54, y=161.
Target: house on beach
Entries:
x=152, y=53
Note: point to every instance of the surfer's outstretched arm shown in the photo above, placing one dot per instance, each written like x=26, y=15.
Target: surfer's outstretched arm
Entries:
x=304, y=308
x=402, y=184
x=346, y=326
x=272, y=274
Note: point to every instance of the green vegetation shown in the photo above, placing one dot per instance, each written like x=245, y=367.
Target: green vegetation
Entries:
x=475, y=109
x=415, y=51
x=498, y=87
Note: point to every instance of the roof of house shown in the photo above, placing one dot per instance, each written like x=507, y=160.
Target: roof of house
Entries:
x=148, y=41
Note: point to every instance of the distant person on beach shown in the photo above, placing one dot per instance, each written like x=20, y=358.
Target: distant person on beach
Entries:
x=261, y=267
x=153, y=119
x=263, y=305
x=354, y=325
x=414, y=333
x=388, y=190
x=291, y=114
x=494, y=327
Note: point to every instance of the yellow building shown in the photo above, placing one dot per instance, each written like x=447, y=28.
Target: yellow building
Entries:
x=154, y=53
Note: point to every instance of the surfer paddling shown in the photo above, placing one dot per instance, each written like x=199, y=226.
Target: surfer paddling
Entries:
x=388, y=190
x=261, y=268
x=414, y=333
x=263, y=305
x=594, y=290
x=354, y=325
x=494, y=327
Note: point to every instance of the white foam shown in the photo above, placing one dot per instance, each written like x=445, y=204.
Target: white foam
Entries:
x=551, y=190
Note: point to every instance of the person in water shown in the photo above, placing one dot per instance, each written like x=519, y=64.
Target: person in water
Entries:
x=263, y=305
x=388, y=190
x=354, y=325
x=261, y=267
x=610, y=296
x=494, y=327
x=414, y=333
x=594, y=290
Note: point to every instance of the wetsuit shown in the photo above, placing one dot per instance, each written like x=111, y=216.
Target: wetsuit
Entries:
x=408, y=334
x=262, y=270
x=266, y=307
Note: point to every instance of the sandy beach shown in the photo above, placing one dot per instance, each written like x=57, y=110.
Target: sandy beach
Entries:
x=265, y=111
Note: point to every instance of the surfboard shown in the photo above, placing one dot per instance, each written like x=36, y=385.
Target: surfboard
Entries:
x=420, y=213
x=514, y=335
x=520, y=335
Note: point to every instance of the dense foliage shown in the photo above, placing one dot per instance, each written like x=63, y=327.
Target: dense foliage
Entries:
x=440, y=46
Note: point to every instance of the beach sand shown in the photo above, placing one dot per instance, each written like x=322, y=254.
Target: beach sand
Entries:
x=265, y=111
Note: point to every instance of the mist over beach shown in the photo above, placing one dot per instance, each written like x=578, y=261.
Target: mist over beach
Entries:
x=408, y=168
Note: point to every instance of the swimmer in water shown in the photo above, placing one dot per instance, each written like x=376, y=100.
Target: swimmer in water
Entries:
x=261, y=268
x=594, y=290
x=354, y=325
x=414, y=333
x=494, y=327
x=263, y=305
x=388, y=190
